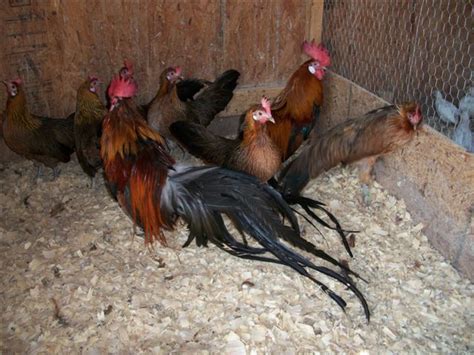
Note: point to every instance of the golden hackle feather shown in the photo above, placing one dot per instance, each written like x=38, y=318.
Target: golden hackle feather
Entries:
x=251, y=128
x=146, y=183
x=18, y=112
x=123, y=135
x=89, y=104
x=130, y=162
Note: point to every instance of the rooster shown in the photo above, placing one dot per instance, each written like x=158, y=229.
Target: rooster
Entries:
x=155, y=191
x=45, y=140
x=87, y=126
x=189, y=100
x=297, y=106
x=360, y=139
x=252, y=152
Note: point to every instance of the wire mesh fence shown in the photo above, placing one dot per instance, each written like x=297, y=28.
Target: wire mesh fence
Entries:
x=405, y=50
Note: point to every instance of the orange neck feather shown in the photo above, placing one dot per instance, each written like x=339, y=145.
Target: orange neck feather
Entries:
x=252, y=129
x=128, y=161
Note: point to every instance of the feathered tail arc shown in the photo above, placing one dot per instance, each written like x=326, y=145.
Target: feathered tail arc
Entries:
x=202, y=196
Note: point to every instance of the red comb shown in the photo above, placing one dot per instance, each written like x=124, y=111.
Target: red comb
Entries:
x=266, y=105
x=178, y=70
x=120, y=87
x=317, y=52
x=415, y=116
x=418, y=113
x=17, y=81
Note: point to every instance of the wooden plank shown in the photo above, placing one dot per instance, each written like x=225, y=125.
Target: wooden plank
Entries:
x=247, y=96
x=55, y=45
x=315, y=30
x=435, y=178
x=262, y=39
x=185, y=33
x=291, y=31
x=248, y=34
x=33, y=53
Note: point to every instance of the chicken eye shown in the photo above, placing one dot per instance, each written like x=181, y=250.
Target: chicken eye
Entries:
x=259, y=113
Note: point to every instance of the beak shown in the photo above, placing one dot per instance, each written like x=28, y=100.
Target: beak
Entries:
x=271, y=119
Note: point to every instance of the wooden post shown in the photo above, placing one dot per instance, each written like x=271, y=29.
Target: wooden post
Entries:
x=315, y=23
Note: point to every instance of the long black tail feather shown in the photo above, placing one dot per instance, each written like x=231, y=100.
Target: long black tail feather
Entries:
x=299, y=264
x=245, y=252
x=203, y=196
x=306, y=204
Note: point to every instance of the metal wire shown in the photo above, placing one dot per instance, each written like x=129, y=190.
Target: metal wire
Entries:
x=404, y=50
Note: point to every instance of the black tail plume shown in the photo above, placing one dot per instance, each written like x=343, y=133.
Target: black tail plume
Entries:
x=307, y=204
x=203, y=196
x=294, y=176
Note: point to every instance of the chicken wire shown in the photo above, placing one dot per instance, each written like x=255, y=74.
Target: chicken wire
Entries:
x=404, y=50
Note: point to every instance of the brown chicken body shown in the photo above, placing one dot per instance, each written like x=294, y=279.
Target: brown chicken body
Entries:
x=155, y=192
x=189, y=100
x=294, y=108
x=87, y=126
x=360, y=139
x=253, y=151
x=46, y=140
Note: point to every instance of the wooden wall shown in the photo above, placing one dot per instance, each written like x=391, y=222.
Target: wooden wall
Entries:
x=53, y=45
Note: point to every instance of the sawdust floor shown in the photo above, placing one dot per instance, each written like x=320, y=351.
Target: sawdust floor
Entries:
x=75, y=279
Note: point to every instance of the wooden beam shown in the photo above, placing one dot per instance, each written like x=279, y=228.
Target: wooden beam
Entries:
x=246, y=96
x=315, y=28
